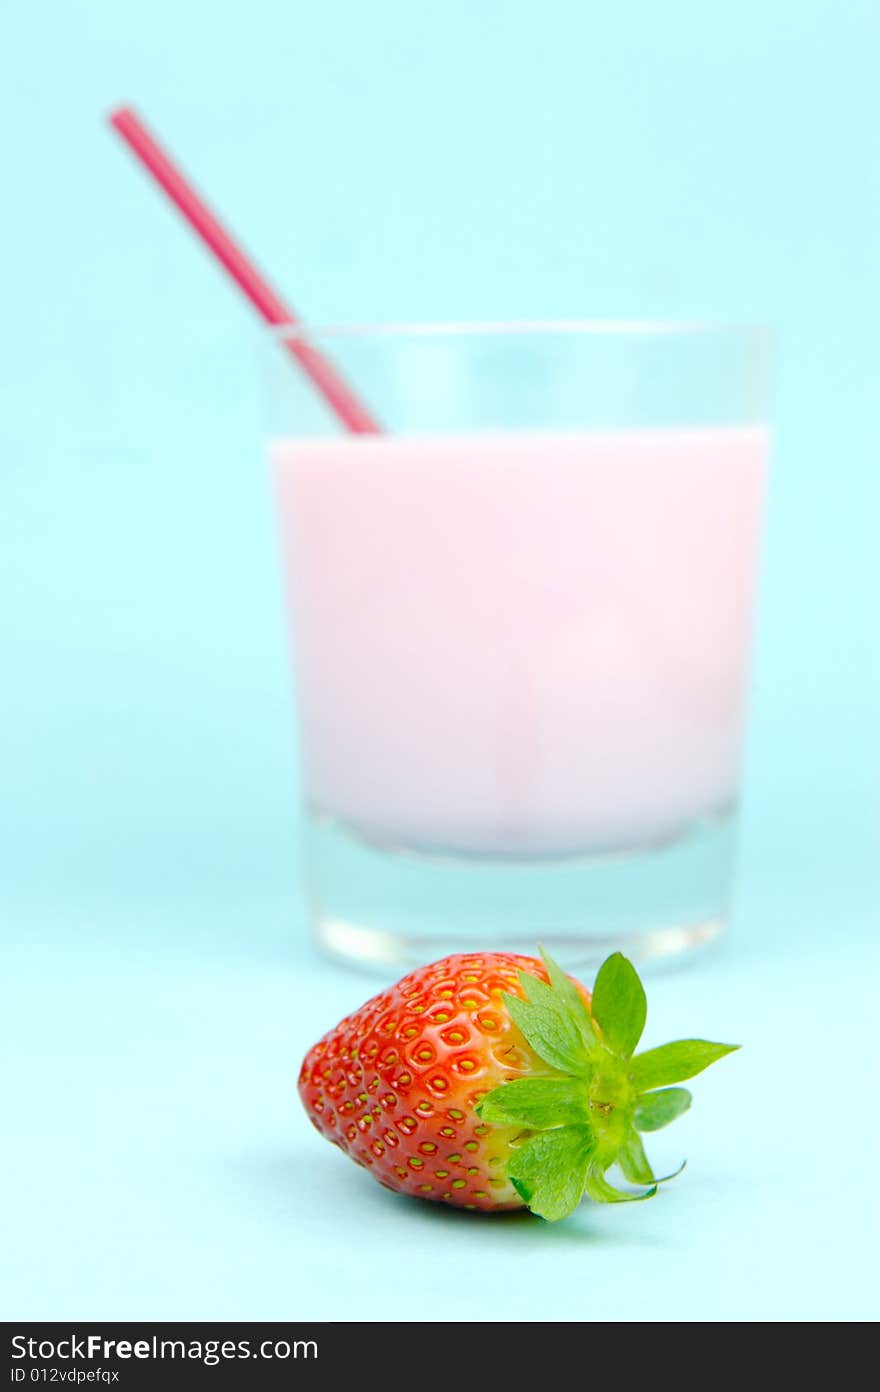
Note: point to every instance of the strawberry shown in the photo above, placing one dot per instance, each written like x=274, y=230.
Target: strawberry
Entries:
x=493, y=1081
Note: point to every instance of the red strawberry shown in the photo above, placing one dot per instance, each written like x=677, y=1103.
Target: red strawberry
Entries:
x=492, y=1081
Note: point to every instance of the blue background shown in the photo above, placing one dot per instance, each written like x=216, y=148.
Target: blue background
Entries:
x=476, y=159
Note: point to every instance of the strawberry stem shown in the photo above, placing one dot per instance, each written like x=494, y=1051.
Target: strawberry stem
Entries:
x=585, y=1114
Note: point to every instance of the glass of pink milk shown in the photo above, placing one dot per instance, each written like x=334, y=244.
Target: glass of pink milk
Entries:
x=521, y=622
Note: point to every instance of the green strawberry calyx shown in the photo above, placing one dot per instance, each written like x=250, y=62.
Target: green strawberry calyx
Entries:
x=587, y=1112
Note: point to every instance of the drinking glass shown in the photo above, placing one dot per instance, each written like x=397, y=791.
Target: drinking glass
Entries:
x=520, y=618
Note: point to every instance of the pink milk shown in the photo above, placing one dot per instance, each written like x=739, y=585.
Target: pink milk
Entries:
x=521, y=645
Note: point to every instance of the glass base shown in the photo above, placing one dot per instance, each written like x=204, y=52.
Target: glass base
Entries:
x=385, y=907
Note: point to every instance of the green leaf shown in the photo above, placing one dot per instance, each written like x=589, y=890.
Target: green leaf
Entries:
x=547, y=1026
x=601, y=1191
x=537, y=1103
x=672, y=1063
x=550, y=1170
x=673, y=1174
x=655, y=1110
x=619, y=1004
x=569, y=994
x=633, y=1161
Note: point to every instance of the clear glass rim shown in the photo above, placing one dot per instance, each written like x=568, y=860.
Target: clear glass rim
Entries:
x=514, y=328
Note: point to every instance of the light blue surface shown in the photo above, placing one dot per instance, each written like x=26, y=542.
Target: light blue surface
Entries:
x=472, y=159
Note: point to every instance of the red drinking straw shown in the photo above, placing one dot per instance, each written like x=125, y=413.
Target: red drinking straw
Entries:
x=351, y=412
